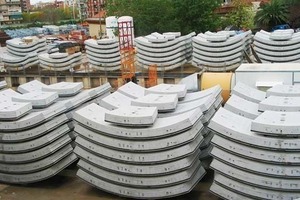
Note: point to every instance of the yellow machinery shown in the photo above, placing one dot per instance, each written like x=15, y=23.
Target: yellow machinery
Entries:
x=209, y=79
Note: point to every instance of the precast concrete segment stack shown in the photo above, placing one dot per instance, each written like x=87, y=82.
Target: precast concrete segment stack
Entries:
x=278, y=46
x=36, y=129
x=256, y=144
x=60, y=61
x=206, y=96
x=167, y=51
x=22, y=52
x=103, y=54
x=129, y=150
x=221, y=51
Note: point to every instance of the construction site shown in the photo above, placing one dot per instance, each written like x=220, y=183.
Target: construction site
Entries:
x=212, y=115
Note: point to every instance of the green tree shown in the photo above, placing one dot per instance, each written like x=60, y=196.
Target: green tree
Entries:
x=167, y=15
x=273, y=13
x=197, y=15
x=241, y=16
x=148, y=15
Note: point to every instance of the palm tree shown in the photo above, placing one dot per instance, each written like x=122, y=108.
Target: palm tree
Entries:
x=273, y=13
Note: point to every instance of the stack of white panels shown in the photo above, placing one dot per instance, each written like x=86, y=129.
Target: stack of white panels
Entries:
x=36, y=129
x=60, y=61
x=131, y=150
x=23, y=54
x=103, y=54
x=221, y=51
x=256, y=144
x=277, y=47
x=167, y=51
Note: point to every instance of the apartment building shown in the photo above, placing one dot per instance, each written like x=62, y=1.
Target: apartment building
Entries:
x=10, y=11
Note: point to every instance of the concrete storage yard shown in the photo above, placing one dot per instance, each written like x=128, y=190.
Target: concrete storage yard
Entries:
x=67, y=186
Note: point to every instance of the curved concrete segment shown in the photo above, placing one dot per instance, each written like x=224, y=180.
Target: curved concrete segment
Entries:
x=225, y=193
x=253, y=192
x=141, y=145
x=25, y=168
x=35, y=132
x=40, y=175
x=163, y=102
x=246, y=92
x=242, y=107
x=277, y=124
x=115, y=100
x=35, y=143
x=278, y=103
x=35, y=155
x=205, y=104
x=10, y=110
x=138, y=170
x=167, y=51
x=60, y=64
x=255, y=154
x=132, y=116
x=278, y=184
x=142, y=193
x=141, y=158
x=103, y=54
x=219, y=51
x=140, y=182
x=238, y=128
x=278, y=46
x=38, y=99
x=31, y=86
x=64, y=88
x=284, y=90
x=22, y=52
x=132, y=90
x=92, y=116
x=256, y=167
x=163, y=88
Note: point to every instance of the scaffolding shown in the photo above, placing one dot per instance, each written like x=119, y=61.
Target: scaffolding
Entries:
x=127, y=51
x=152, y=76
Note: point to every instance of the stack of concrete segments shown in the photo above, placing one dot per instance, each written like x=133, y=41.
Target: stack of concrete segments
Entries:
x=129, y=150
x=22, y=52
x=221, y=51
x=256, y=144
x=60, y=61
x=36, y=129
x=278, y=46
x=168, y=50
x=103, y=54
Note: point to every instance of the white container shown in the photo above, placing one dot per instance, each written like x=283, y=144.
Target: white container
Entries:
x=111, y=26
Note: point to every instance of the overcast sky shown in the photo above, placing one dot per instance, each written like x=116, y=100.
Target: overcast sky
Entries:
x=32, y=2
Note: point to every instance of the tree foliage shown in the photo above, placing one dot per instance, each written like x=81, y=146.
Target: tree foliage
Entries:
x=273, y=13
x=149, y=15
x=48, y=14
x=197, y=15
x=167, y=15
x=241, y=16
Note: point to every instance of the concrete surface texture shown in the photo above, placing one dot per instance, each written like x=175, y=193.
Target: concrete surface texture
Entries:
x=257, y=158
x=278, y=46
x=35, y=142
x=220, y=51
x=66, y=186
x=157, y=161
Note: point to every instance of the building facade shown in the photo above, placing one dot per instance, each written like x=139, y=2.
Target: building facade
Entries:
x=10, y=11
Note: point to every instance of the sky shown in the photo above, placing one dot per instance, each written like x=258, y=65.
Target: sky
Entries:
x=32, y=2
